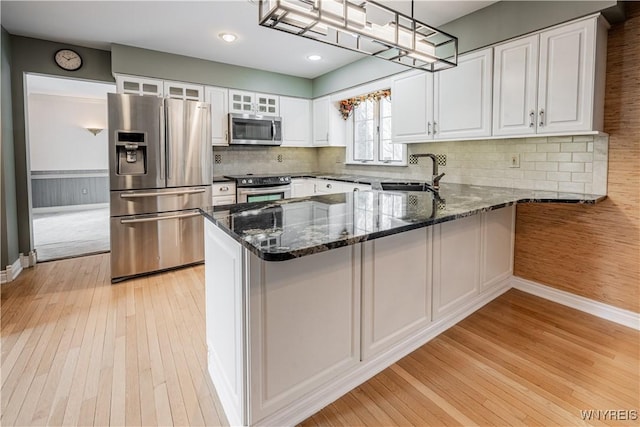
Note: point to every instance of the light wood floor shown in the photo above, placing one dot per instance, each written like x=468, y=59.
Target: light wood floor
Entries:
x=78, y=351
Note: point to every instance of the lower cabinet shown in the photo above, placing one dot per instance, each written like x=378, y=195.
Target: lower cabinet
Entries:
x=498, y=238
x=302, y=187
x=394, y=303
x=304, y=325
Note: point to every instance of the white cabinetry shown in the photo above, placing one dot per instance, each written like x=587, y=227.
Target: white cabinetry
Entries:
x=456, y=264
x=551, y=82
x=217, y=97
x=302, y=187
x=471, y=255
x=139, y=85
x=498, y=237
x=453, y=104
x=223, y=193
x=462, y=98
x=329, y=129
x=296, y=122
x=394, y=303
x=325, y=186
x=244, y=102
x=304, y=328
x=187, y=91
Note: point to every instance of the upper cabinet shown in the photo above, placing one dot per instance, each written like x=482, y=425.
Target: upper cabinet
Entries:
x=139, y=85
x=551, y=82
x=329, y=129
x=243, y=102
x=186, y=91
x=450, y=104
x=296, y=122
x=462, y=98
x=218, y=98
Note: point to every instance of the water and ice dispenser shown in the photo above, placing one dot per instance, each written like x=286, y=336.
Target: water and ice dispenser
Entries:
x=131, y=153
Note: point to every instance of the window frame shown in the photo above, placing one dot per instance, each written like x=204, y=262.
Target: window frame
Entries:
x=377, y=146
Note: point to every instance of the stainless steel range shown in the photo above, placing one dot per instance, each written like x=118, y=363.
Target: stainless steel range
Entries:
x=259, y=188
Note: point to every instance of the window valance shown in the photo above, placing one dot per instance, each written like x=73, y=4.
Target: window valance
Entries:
x=347, y=105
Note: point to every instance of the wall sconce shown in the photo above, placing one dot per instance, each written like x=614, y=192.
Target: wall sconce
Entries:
x=95, y=131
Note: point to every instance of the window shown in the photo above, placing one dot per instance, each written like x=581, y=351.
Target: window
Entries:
x=370, y=141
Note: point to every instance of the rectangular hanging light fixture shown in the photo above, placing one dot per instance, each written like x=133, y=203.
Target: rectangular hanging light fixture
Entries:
x=365, y=27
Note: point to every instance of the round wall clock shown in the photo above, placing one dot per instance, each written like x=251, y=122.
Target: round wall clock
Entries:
x=68, y=59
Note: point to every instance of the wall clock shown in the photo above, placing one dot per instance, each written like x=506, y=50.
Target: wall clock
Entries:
x=68, y=59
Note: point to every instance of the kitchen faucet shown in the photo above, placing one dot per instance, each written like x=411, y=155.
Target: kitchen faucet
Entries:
x=435, y=178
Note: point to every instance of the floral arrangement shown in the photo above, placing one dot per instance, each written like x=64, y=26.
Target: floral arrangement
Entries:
x=347, y=105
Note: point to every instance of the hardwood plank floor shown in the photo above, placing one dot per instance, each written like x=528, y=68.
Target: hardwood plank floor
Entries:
x=77, y=350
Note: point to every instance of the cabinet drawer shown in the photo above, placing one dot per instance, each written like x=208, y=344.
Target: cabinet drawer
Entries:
x=223, y=189
x=223, y=200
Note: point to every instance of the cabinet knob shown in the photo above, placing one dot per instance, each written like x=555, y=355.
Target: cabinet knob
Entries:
x=328, y=185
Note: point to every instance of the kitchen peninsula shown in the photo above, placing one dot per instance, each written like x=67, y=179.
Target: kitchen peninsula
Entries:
x=308, y=297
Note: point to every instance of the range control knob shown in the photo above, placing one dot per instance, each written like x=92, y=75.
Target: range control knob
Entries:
x=250, y=181
x=244, y=181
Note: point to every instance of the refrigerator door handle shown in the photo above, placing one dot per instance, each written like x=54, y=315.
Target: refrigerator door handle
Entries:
x=134, y=195
x=168, y=139
x=162, y=141
x=158, y=218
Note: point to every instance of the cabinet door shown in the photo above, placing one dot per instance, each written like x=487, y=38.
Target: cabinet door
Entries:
x=217, y=97
x=412, y=106
x=178, y=90
x=223, y=200
x=304, y=329
x=394, y=303
x=139, y=86
x=456, y=265
x=267, y=104
x=567, y=72
x=241, y=102
x=515, y=87
x=462, y=98
x=321, y=121
x=296, y=122
x=497, y=246
x=325, y=186
x=302, y=187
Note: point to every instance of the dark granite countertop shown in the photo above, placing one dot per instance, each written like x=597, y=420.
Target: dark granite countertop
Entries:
x=292, y=228
x=220, y=178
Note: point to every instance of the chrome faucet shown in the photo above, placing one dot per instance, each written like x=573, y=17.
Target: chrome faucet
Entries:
x=435, y=178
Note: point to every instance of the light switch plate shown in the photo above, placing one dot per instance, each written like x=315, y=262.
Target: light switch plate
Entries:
x=514, y=161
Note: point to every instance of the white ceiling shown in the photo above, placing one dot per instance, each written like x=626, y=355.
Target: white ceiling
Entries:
x=191, y=28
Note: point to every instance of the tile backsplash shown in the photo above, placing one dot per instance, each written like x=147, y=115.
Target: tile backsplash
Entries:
x=567, y=163
x=240, y=160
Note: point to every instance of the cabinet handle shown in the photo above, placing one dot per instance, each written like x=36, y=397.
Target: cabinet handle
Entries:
x=428, y=128
x=226, y=135
x=224, y=188
x=541, y=117
x=327, y=136
x=532, y=118
x=434, y=128
x=356, y=189
x=328, y=185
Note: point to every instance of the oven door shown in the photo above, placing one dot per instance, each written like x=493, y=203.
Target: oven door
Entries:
x=263, y=194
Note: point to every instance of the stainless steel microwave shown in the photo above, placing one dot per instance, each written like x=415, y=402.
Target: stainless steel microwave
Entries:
x=246, y=129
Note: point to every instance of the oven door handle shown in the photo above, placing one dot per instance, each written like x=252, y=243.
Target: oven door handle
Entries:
x=134, y=195
x=158, y=218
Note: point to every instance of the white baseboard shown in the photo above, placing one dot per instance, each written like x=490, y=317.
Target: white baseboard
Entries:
x=596, y=308
x=12, y=271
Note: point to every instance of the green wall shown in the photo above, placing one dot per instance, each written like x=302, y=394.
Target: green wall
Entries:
x=495, y=23
x=31, y=55
x=152, y=63
x=9, y=252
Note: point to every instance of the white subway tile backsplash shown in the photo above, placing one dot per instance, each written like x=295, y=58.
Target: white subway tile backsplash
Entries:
x=582, y=157
x=583, y=138
x=571, y=167
x=559, y=176
x=589, y=147
x=588, y=167
x=547, y=166
x=524, y=148
x=581, y=177
x=535, y=157
x=573, y=147
x=560, y=139
x=546, y=185
x=559, y=157
x=571, y=187
x=549, y=148
x=535, y=175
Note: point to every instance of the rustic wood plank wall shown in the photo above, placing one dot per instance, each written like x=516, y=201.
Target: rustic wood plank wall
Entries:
x=594, y=251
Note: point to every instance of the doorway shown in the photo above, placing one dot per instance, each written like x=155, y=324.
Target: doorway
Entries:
x=68, y=165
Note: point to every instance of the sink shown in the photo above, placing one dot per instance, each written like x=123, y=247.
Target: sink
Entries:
x=407, y=186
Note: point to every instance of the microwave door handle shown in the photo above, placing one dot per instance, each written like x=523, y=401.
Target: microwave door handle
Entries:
x=273, y=130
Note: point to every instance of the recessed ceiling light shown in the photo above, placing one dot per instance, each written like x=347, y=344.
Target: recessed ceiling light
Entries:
x=314, y=57
x=228, y=37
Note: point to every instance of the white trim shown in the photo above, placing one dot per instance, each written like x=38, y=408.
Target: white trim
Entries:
x=595, y=308
x=311, y=403
x=12, y=271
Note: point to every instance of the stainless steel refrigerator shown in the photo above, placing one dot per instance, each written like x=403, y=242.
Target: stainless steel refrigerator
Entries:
x=160, y=174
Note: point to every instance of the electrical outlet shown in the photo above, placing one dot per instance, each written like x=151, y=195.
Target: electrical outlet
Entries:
x=514, y=161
